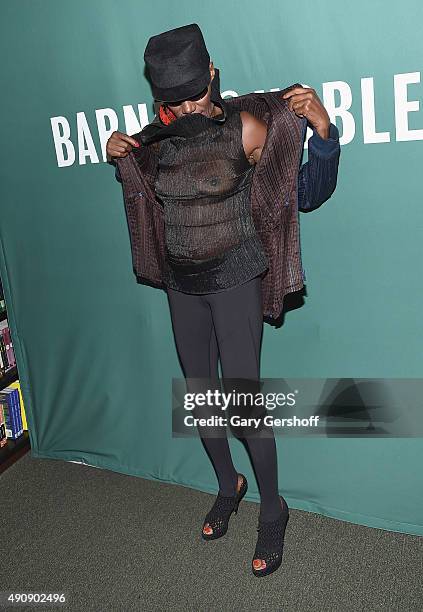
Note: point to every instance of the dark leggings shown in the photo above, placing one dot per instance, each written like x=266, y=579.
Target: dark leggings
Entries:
x=229, y=325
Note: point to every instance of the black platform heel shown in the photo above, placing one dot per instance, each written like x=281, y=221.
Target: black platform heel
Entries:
x=270, y=542
x=220, y=513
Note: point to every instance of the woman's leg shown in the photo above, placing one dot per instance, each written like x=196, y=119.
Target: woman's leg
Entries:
x=198, y=352
x=238, y=321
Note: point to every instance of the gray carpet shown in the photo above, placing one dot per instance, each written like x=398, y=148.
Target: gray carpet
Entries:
x=120, y=543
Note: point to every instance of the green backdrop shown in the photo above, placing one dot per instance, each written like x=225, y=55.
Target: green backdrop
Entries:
x=95, y=349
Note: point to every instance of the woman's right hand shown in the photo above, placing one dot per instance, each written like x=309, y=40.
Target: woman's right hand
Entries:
x=119, y=145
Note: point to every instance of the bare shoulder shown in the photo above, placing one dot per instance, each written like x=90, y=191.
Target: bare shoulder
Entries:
x=254, y=132
x=251, y=123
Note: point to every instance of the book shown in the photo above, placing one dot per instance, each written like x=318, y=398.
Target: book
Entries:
x=9, y=346
x=13, y=428
x=3, y=437
x=17, y=385
x=7, y=354
x=15, y=399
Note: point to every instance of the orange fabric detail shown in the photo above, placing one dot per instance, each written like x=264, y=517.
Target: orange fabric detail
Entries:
x=166, y=116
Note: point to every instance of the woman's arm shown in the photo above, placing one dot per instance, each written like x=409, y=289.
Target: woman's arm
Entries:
x=318, y=176
x=119, y=145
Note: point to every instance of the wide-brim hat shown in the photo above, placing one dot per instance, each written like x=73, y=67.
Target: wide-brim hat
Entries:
x=177, y=64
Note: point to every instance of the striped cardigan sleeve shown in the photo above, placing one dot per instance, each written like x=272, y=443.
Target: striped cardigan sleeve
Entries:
x=318, y=176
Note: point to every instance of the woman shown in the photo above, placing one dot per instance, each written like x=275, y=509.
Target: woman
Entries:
x=215, y=261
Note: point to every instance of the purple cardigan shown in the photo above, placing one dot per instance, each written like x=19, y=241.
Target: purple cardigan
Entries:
x=280, y=188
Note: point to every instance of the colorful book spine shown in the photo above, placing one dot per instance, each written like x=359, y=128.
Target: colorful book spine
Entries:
x=3, y=437
x=14, y=427
x=9, y=346
x=15, y=399
x=7, y=354
x=12, y=430
x=17, y=385
x=13, y=405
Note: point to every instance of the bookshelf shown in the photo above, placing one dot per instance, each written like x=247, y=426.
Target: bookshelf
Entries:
x=13, y=449
x=10, y=376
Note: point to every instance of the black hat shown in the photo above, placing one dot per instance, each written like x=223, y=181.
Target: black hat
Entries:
x=177, y=63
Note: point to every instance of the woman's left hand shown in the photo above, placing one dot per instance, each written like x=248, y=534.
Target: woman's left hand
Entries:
x=305, y=102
